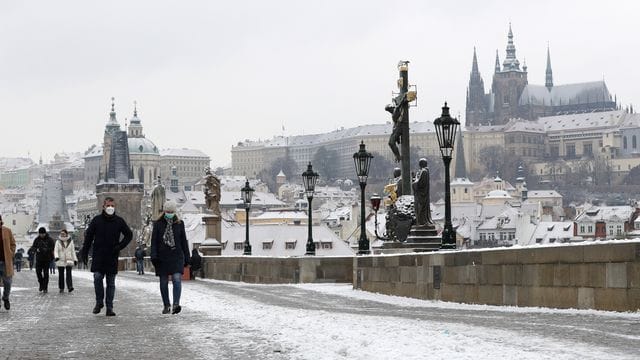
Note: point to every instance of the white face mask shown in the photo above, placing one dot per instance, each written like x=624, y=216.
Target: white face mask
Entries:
x=110, y=210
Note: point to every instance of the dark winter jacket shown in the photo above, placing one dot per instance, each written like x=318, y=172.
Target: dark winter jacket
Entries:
x=196, y=260
x=103, y=236
x=43, y=248
x=165, y=259
x=140, y=254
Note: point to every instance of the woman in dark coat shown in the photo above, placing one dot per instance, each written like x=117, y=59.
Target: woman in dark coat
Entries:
x=169, y=254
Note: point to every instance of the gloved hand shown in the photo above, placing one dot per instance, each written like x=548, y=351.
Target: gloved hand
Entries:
x=75, y=263
x=56, y=259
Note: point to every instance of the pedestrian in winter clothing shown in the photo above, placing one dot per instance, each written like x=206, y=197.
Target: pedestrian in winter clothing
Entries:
x=7, y=250
x=65, y=257
x=31, y=254
x=103, y=236
x=43, y=246
x=169, y=255
x=196, y=264
x=140, y=254
x=52, y=266
x=17, y=260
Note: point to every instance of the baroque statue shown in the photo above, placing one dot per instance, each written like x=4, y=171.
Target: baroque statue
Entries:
x=212, y=191
x=420, y=188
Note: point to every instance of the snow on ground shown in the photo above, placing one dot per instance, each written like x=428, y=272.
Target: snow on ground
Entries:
x=314, y=334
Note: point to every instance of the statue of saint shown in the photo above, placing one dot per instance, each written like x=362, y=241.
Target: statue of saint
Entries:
x=158, y=197
x=145, y=233
x=397, y=112
x=420, y=187
x=212, y=191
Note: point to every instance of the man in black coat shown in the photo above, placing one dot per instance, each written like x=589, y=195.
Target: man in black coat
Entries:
x=42, y=247
x=103, y=235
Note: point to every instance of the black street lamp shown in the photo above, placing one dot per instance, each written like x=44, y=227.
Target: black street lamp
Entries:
x=247, y=193
x=446, y=128
x=362, y=160
x=309, y=179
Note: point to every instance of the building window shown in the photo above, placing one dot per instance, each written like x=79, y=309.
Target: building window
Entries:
x=581, y=228
x=587, y=149
x=267, y=245
x=590, y=229
x=624, y=142
x=633, y=142
x=571, y=150
x=290, y=245
x=238, y=246
x=327, y=245
x=619, y=230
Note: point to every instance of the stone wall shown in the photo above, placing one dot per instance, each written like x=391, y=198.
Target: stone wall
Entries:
x=603, y=276
x=267, y=270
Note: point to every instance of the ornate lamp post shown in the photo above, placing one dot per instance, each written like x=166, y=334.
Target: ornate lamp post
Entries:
x=247, y=193
x=375, y=205
x=309, y=179
x=362, y=160
x=446, y=128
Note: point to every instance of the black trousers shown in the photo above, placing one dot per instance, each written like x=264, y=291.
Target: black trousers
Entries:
x=61, y=277
x=42, y=271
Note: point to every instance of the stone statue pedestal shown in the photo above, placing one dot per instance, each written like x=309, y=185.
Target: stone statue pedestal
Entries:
x=421, y=239
x=211, y=246
x=424, y=238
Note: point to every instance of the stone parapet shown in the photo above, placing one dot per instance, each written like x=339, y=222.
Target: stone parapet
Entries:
x=603, y=276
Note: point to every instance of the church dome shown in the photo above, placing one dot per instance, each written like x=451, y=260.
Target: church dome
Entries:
x=142, y=146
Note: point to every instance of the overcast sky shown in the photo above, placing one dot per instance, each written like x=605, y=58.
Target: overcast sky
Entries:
x=207, y=74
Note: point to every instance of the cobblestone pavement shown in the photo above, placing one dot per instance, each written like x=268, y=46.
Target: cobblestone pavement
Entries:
x=62, y=326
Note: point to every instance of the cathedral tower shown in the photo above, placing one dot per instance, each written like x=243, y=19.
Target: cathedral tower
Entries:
x=477, y=108
x=508, y=84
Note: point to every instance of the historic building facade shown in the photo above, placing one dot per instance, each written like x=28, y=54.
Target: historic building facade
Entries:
x=511, y=95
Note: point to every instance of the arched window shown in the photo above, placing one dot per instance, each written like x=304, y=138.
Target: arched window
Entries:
x=141, y=174
x=624, y=142
x=634, y=144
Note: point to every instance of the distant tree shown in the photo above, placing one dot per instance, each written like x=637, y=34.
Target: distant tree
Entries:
x=492, y=158
x=633, y=177
x=325, y=163
x=288, y=167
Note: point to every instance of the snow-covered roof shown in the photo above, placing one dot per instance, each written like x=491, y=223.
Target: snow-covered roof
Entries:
x=532, y=194
x=505, y=220
x=497, y=194
x=279, y=237
x=547, y=232
x=582, y=121
x=606, y=213
x=461, y=182
x=417, y=127
x=260, y=199
x=183, y=152
x=568, y=94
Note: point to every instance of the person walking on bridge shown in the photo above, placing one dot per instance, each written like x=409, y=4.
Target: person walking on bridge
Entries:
x=169, y=255
x=7, y=251
x=103, y=236
x=43, y=248
x=65, y=257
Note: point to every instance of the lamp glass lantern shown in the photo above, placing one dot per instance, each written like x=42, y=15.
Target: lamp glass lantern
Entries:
x=362, y=160
x=247, y=194
x=446, y=129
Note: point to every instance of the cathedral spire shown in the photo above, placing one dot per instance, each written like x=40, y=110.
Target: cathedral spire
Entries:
x=511, y=62
x=497, y=67
x=548, y=82
x=474, y=66
x=460, y=169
